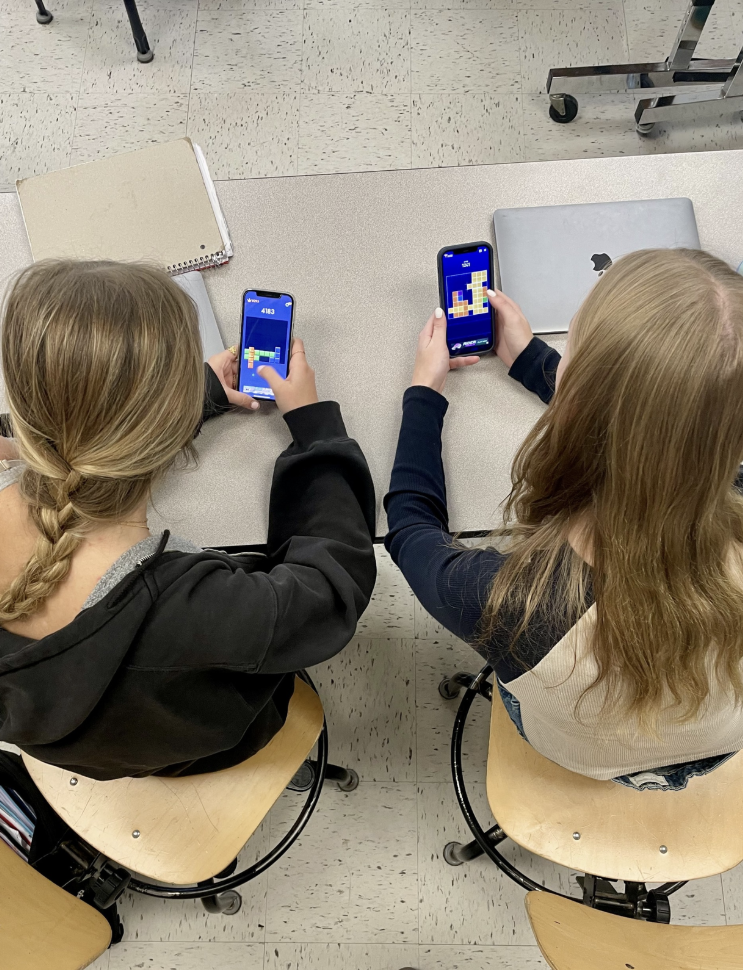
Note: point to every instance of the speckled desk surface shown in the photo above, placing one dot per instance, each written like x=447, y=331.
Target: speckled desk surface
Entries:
x=358, y=252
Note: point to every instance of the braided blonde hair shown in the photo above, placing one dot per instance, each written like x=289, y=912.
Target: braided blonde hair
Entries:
x=103, y=373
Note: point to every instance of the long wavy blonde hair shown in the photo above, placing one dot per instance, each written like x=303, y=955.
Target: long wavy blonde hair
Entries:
x=104, y=378
x=637, y=453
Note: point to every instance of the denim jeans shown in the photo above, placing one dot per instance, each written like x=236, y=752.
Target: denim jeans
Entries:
x=672, y=777
x=513, y=707
x=667, y=778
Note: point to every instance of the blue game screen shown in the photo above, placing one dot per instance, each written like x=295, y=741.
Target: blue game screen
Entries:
x=466, y=274
x=266, y=330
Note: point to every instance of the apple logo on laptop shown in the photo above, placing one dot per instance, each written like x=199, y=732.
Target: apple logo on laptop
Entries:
x=600, y=262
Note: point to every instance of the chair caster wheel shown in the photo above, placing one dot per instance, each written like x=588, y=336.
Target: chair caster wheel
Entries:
x=571, y=108
x=303, y=779
x=644, y=129
x=234, y=901
x=659, y=907
x=146, y=57
x=448, y=689
x=449, y=858
x=227, y=903
x=44, y=18
x=353, y=782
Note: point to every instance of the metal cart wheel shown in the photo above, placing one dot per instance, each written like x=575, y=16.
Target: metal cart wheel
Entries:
x=563, y=108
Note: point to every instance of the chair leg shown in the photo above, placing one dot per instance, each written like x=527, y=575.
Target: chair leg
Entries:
x=456, y=853
x=346, y=778
x=450, y=687
x=42, y=14
x=144, y=52
x=228, y=903
x=228, y=870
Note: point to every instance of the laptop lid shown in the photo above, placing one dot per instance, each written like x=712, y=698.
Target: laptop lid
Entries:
x=549, y=257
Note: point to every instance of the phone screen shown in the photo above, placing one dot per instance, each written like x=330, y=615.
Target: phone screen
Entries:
x=266, y=332
x=469, y=317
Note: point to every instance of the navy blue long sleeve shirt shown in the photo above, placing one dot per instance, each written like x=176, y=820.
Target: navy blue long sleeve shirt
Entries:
x=453, y=584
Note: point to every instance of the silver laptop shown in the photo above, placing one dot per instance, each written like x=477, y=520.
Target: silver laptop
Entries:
x=550, y=256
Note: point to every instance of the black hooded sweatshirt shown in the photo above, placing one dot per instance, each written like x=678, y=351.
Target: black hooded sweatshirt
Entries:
x=187, y=665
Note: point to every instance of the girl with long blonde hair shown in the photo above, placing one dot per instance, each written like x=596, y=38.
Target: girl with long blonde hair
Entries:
x=125, y=653
x=612, y=609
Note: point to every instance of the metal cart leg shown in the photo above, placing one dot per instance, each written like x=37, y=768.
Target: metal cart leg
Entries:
x=689, y=33
x=677, y=72
x=685, y=107
x=144, y=52
x=42, y=14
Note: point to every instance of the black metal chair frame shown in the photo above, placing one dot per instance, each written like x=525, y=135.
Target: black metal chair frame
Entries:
x=636, y=902
x=107, y=880
x=144, y=51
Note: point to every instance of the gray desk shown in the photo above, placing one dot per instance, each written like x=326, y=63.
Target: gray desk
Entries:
x=359, y=254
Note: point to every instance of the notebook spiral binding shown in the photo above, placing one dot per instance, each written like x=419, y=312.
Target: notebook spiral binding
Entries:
x=203, y=262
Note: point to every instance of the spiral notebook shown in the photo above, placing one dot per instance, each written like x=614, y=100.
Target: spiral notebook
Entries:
x=158, y=203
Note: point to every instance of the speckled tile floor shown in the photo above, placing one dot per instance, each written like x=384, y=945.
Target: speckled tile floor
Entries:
x=283, y=87
x=287, y=87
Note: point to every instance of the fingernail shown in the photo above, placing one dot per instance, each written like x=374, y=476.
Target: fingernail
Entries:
x=255, y=405
x=492, y=293
x=438, y=313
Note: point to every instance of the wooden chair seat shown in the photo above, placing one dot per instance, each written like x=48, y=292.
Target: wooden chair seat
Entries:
x=189, y=828
x=541, y=805
x=574, y=937
x=42, y=926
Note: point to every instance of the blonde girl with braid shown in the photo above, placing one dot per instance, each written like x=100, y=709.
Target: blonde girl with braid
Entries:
x=125, y=653
x=74, y=339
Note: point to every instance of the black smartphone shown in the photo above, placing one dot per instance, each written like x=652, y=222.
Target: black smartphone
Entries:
x=465, y=276
x=265, y=338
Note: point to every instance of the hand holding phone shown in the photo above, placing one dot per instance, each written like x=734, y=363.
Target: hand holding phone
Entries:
x=225, y=365
x=432, y=360
x=513, y=333
x=298, y=389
